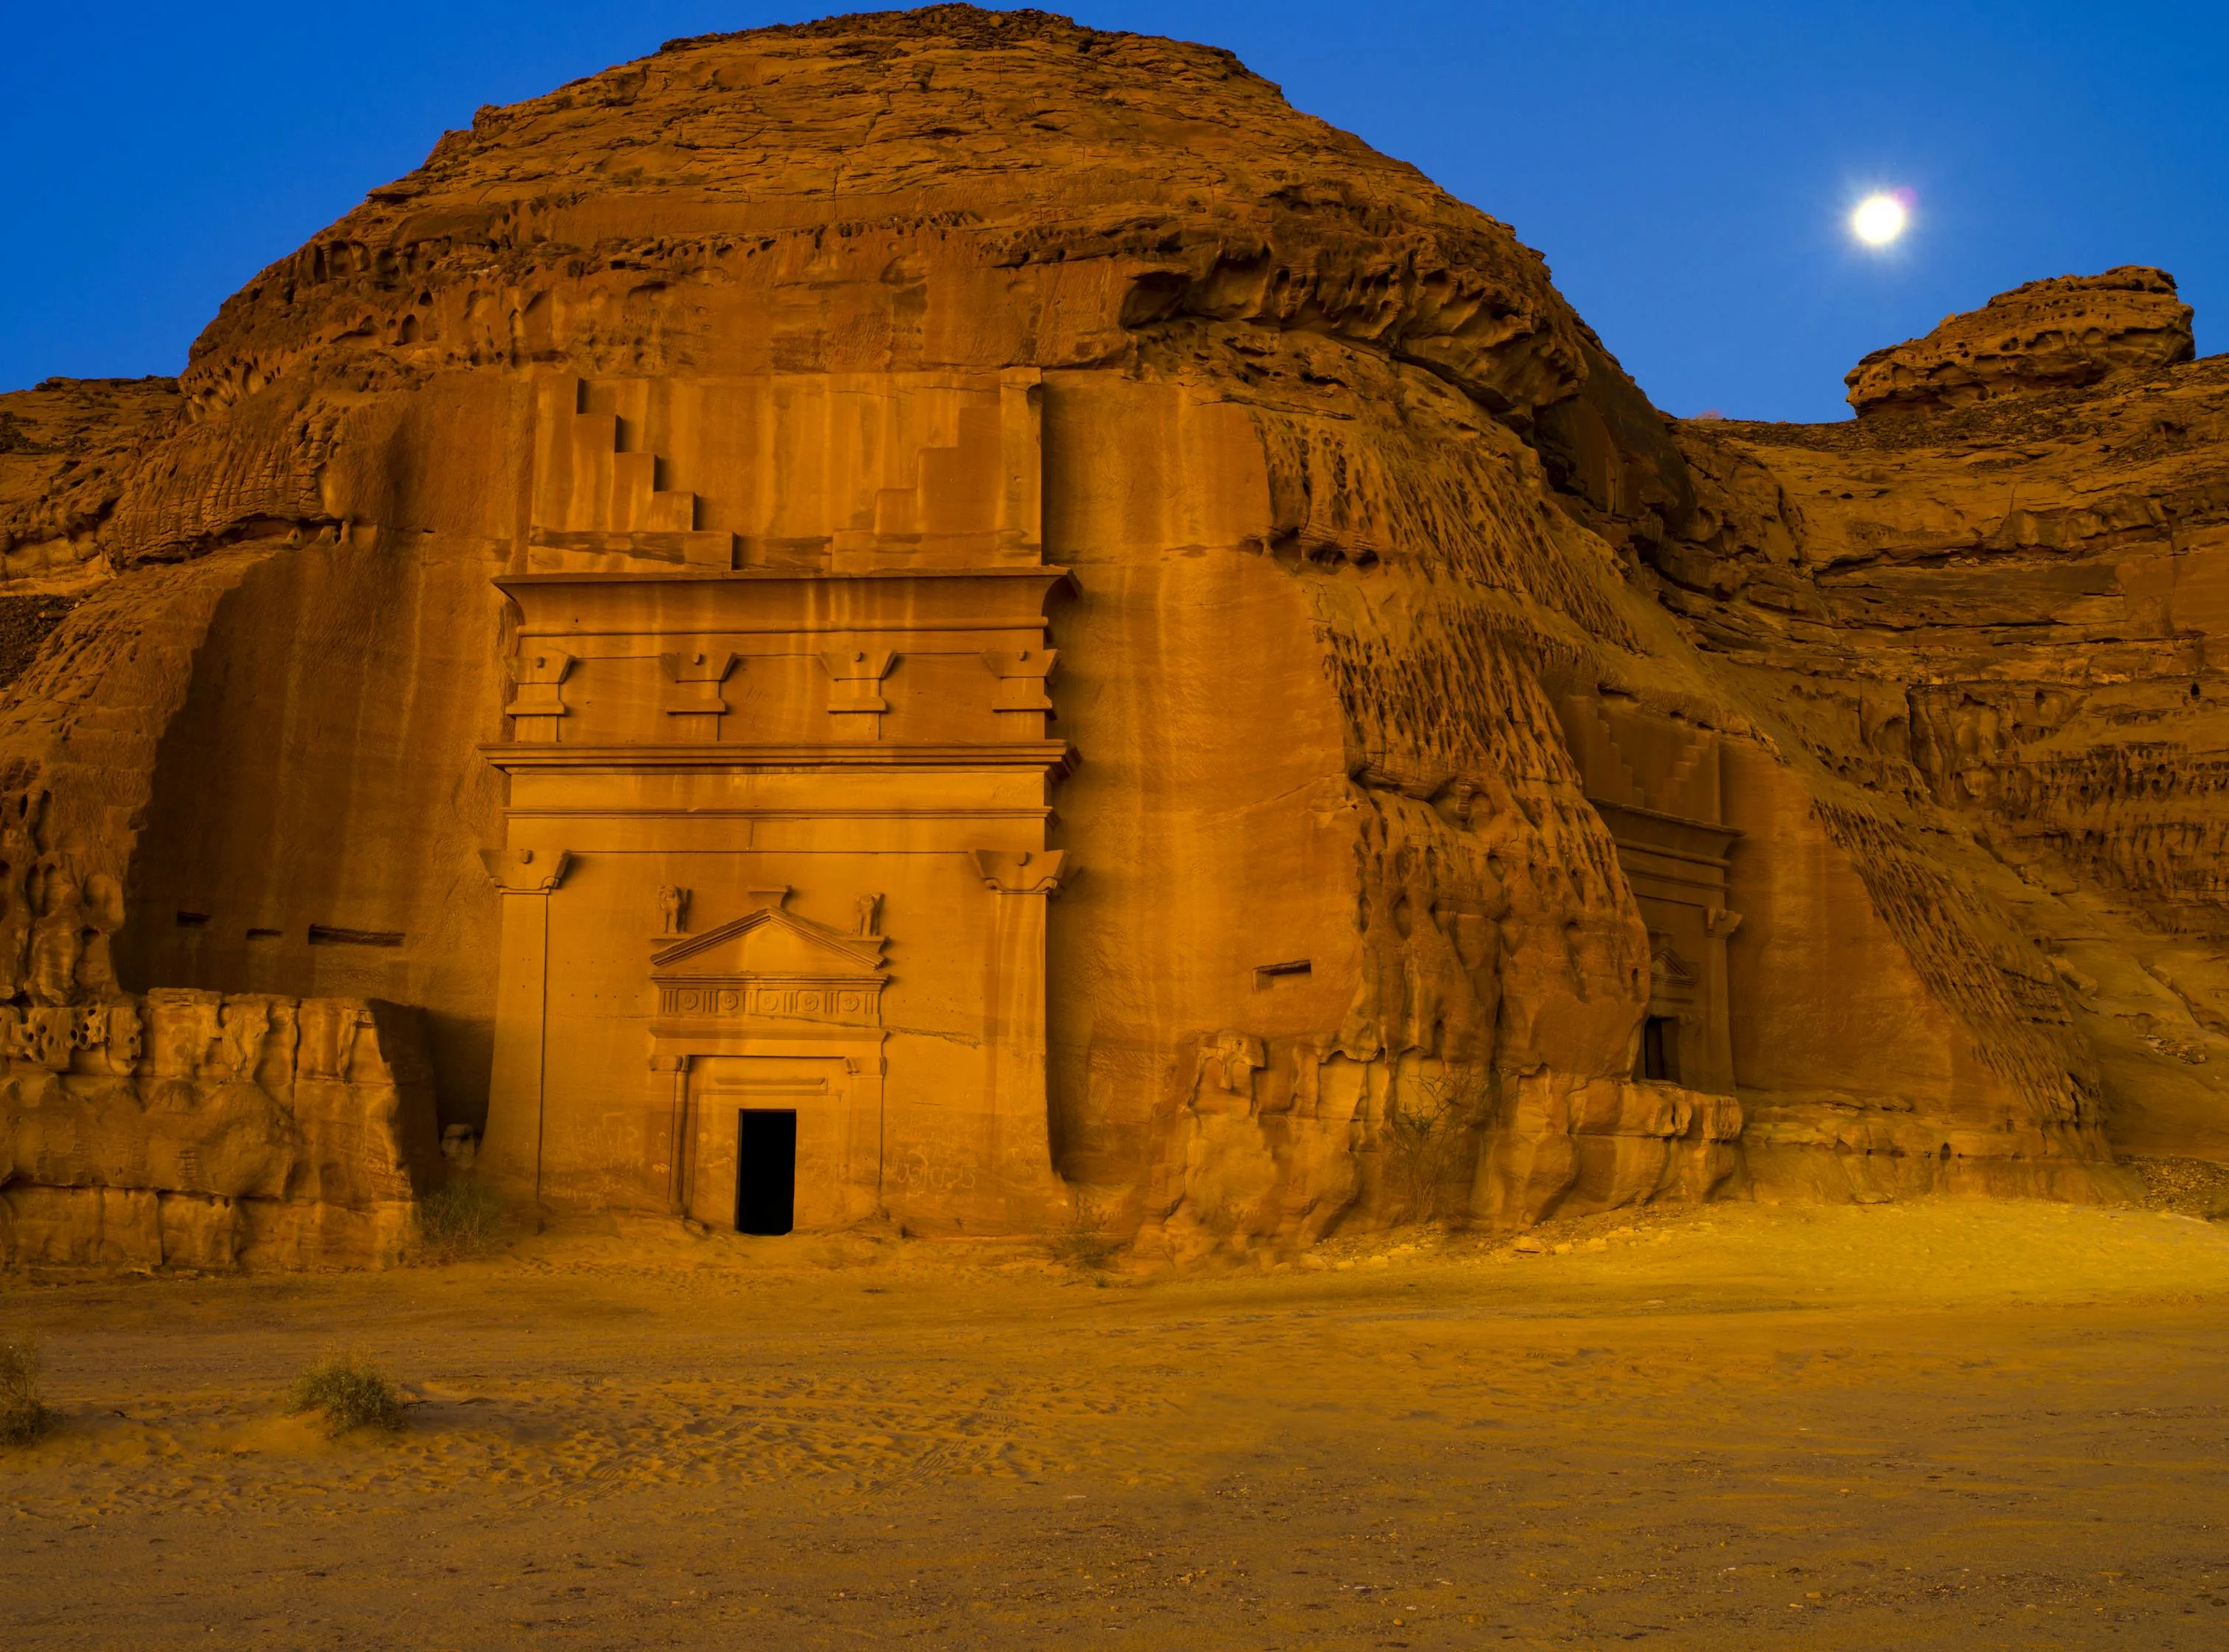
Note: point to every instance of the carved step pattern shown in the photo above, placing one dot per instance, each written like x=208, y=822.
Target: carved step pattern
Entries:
x=1656, y=763
x=600, y=506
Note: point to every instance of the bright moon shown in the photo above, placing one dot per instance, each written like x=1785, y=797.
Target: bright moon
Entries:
x=1879, y=220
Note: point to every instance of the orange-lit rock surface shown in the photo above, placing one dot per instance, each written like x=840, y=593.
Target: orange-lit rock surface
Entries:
x=948, y=619
x=1994, y=644
x=195, y=1130
x=2065, y=331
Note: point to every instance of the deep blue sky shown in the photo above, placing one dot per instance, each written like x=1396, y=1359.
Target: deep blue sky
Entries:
x=1685, y=168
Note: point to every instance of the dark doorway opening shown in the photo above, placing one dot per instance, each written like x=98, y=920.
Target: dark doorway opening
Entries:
x=1660, y=1049
x=766, y=1170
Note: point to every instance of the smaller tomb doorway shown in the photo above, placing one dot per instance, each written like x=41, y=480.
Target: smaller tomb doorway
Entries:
x=766, y=1169
x=1659, y=1049
x=796, y=1129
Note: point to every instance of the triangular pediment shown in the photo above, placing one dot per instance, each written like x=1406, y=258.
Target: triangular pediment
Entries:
x=769, y=943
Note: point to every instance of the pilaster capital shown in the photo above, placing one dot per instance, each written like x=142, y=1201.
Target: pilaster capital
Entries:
x=1024, y=872
x=526, y=872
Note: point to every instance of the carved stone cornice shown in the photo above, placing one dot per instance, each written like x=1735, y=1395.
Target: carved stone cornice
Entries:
x=512, y=757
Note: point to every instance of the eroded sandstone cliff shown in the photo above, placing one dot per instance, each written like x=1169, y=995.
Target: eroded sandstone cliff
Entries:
x=1991, y=630
x=1491, y=797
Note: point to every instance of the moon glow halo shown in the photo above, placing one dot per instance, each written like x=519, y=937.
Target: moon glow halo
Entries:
x=1880, y=218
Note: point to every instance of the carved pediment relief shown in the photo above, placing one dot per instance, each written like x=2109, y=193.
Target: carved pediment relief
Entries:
x=771, y=963
x=1669, y=970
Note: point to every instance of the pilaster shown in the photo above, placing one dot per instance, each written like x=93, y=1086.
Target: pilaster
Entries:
x=510, y=1151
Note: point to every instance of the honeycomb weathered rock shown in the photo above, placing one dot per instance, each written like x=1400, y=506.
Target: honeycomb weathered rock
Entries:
x=2068, y=331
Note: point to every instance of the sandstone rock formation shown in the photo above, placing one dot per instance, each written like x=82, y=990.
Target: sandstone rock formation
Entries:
x=949, y=618
x=65, y=449
x=2066, y=331
x=1991, y=641
x=195, y=1130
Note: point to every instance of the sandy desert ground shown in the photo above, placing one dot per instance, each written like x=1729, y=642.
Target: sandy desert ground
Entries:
x=1932, y=1425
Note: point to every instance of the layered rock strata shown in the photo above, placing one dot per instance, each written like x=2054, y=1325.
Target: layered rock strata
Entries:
x=952, y=620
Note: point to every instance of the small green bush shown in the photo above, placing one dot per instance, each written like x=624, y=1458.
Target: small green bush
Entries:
x=458, y=1219
x=23, y=1417
x=350, y=1391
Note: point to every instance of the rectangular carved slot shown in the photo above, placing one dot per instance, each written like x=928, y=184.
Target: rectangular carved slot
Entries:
x=193, y=920
x=325, y=935
x=264, y=934
x=1265, y=973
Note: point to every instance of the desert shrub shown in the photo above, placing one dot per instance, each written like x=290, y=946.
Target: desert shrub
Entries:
x=1428, y=1124
x=350, y=1392
x=24, y=1416
x=459, y=1219
x=1083, y=1244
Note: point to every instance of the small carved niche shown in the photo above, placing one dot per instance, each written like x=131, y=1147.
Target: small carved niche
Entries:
x=332, y=935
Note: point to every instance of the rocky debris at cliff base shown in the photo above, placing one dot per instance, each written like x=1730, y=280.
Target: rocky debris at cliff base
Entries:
x=2066, y=330
x=2185, y=1187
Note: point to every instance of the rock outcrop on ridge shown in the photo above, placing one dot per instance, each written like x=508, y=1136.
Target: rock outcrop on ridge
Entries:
x=2062, y=333
x=1490, y=796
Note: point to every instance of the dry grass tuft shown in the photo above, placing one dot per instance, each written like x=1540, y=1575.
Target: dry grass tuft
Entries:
x=1429, y=1132
x=351, y=1393
x=24, y=1418
x=460, y=1219
x=1084, y=1245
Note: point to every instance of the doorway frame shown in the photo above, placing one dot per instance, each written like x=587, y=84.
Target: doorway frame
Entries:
x=675, y=1056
